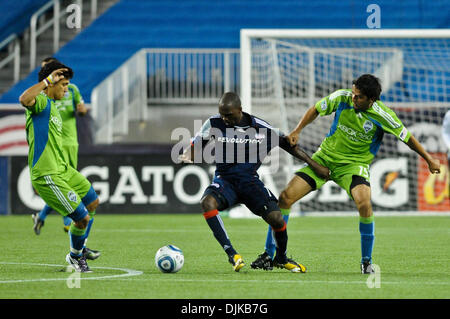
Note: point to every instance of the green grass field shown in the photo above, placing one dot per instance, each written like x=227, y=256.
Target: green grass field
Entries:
x=412, y=253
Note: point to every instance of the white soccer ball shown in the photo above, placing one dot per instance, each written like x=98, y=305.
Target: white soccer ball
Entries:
x=169, y=259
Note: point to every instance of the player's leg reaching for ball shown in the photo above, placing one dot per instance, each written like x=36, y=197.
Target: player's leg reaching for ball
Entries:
x=211, y=214
x=90, y=199
x=295, y=190
x=276, y=221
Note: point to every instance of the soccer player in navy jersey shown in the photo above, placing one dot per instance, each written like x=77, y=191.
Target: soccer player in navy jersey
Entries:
x=241, y=143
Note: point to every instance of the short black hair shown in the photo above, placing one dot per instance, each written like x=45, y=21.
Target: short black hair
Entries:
x=49, y=59
x=230, y=99
x=47, y=69
x=369, y=85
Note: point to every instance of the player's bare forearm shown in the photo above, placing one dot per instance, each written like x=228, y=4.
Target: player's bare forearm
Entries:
x=433, y=164
x=297, y=152
x=28, y=96
x=310, y=115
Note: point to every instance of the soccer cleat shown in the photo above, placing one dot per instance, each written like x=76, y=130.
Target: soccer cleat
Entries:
x=366, y=268
x=290, y=265
x=264, y=261
x=237, y=262
x=90, y=253
x=79, y=264
x=38, y=223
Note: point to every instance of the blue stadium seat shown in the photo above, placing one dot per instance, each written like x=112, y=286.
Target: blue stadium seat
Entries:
x=134, y=24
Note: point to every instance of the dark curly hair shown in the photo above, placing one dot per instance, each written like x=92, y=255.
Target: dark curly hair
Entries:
x=369, y=85
x=48, y=68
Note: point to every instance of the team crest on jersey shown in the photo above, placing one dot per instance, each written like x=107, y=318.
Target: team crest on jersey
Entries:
x=368, y=125
x=72, y=196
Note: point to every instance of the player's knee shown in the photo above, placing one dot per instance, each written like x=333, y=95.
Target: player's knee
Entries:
x=364, y=207
x=285, y=199
x=208, y=203
x=82, y=223
x=93, y=206
x=275, y=220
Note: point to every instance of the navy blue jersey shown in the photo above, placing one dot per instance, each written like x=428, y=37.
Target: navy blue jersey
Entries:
x=238, y=150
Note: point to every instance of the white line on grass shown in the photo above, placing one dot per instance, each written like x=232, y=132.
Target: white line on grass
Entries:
x=128, y=273
x=296, y=281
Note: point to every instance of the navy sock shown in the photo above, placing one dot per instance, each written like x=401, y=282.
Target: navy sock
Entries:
x=281, y=239
x=216, y=224
x=270, y=246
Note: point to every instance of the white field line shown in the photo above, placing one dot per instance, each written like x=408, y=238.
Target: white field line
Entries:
x=167, y=278
x=128, y=273
x=296, y=281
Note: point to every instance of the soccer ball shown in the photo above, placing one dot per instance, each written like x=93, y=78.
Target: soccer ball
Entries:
x=169, y=259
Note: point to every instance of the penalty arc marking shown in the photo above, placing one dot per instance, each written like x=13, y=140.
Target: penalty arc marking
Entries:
x=128, y=273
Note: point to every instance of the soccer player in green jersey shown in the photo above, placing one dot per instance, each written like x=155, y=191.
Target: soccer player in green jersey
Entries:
x=61, y=186
x=69, y=106
x=355, y=136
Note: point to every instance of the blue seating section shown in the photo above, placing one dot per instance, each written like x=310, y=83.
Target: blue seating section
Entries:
x=134, y=24
x=16, y=15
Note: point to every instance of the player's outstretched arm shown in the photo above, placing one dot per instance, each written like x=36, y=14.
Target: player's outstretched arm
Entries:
x=28, y=96
x=310, y=115
x=433, y=164
x=297, y=152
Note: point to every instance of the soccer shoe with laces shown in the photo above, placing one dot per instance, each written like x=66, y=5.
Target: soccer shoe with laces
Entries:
x=264, y=261
x=290, y=265
x=237, y=262
x=90, y=254
x=79, y=264
x=366, y=268
x=38, y=223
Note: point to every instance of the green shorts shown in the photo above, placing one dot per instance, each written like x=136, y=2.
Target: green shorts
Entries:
x=341, y=174
x=70, y=155
x=68, y=193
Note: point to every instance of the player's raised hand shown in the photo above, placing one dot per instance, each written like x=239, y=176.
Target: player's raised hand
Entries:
x=293, y=138
x=434, y=166
x=58, y=75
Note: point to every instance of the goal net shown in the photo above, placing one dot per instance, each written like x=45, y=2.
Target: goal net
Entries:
x=284, y=72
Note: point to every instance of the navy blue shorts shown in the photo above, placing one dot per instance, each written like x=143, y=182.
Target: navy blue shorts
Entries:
x=250, y=191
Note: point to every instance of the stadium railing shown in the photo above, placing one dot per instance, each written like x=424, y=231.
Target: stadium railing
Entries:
x=161, y=77
x=13, y=55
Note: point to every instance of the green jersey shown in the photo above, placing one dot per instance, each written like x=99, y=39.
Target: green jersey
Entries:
x=355, y=137
x=67, y=107
x=44, y=137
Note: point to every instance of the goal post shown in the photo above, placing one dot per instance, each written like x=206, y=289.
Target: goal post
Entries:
x=285, y=71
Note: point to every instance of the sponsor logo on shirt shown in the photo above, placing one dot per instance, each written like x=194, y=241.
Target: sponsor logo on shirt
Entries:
x=238, y=140
x=354, y=135
x=57, y=121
